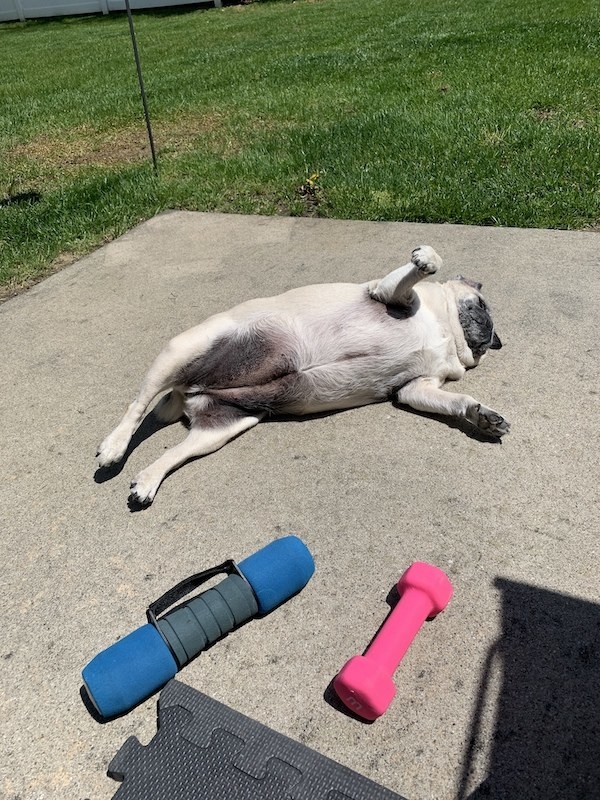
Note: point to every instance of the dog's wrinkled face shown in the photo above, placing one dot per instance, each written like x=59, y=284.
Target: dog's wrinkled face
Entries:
x=474, y=317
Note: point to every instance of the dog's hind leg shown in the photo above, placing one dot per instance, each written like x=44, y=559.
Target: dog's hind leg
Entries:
x=396, y=289
x=202, y=439
x=425, y=394
x=161, y=375
x=113, y=448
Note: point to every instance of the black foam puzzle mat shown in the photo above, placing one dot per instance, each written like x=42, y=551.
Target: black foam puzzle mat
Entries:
x=204, y=749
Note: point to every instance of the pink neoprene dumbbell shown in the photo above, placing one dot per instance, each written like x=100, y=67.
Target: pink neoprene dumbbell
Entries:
x=365, y=684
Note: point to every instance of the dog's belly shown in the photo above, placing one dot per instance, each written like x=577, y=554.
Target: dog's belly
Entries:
x=307, y=359
x=354, y=381
x=324, y=388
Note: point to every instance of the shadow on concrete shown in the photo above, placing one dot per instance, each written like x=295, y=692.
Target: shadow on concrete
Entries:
x=150, y=425
x=546, y=736
x=451, y=422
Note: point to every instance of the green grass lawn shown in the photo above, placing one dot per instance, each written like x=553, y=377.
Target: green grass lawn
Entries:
x=483, y=112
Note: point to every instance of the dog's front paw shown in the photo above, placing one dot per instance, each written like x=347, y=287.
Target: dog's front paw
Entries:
x=426, y=260
x=142, y=489
x=112, y=449
x=488, y=421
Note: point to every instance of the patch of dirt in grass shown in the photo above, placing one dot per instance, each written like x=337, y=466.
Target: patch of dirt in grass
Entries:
x=312, y=195
x=548, y=114
x=83, y=146
x=543, y=113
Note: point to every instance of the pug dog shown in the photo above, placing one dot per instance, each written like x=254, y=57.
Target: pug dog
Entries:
x=314, y=349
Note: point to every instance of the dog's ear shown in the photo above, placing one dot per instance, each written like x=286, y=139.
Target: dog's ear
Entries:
x=496, y=343
x=473, y=284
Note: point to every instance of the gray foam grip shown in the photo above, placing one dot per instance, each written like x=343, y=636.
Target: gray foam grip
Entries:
x=199, y=622
x=204, y=750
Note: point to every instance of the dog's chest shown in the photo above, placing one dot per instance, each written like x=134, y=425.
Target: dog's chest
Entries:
x=374, y=350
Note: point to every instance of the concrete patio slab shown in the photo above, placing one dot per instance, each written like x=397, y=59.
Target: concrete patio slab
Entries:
x=498, y=697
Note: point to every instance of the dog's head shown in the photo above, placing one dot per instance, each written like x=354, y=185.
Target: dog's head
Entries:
x=475, y=321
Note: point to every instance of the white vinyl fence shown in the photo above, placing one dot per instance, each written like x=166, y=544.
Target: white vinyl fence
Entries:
x=32, y=9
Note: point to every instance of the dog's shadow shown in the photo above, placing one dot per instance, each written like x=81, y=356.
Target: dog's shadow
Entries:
x=451, y=422
x=461, y=425
x=150, y=425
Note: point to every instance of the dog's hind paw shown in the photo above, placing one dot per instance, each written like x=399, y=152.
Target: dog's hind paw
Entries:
x=426, y=260
x=142, y=490
x=112, y=449
x=487, y=421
